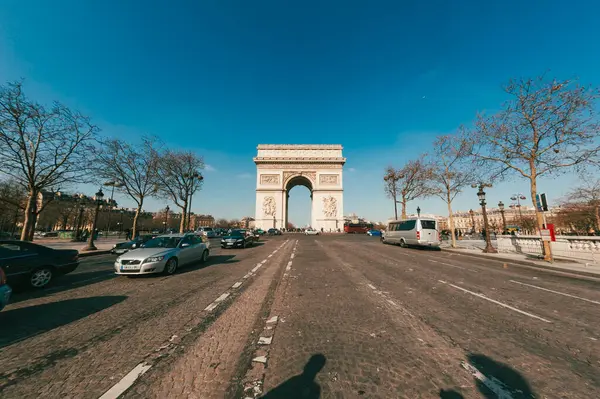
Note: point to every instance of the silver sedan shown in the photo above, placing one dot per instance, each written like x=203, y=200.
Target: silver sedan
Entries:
x=164, y=254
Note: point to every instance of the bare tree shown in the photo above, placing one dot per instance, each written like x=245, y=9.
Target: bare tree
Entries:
x=408, y=183
x=547, y=127
x=449, y=171
x=12, y=203
x=179, y=178
x=586, y=198
x=134, y=166
x=41, y=148
x=222, y=223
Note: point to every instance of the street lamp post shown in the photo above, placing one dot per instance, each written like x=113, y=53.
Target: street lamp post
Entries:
x=79, y=198
x=165, y=223
x=501, y=207
x=274, y=222
x=518, y=197
x=418, y=212
x=199, y=177
x=91, y=246
x=481, y=195
x=472, y=221
x=112, y=184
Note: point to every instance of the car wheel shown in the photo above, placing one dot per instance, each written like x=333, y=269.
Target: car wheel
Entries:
x=41, y=277
x=402, y=244
x=171, y=266
x=244, y=245
x=205, y=256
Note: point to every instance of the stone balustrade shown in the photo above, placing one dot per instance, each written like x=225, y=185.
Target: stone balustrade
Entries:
x=581, y=248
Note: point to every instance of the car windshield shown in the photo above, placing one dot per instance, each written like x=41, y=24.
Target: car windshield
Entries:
x=237, y=233
x=163, y=242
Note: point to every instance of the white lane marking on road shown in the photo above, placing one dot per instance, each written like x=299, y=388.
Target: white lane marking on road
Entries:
x=247, y=275
x=492, y=384
x=391, y=302
x=273, y=320
x=126, y=382
x=237, y=285
x=255, y=268
x=270, y=256
x=211, y=307
x=265, y=340
x=446, y=264
x=555, y=292
x=496, y=302
x=371, y=286
x=222, y=297
x=263, y=262
x=292, y=257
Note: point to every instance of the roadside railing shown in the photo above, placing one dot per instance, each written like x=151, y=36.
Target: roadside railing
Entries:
x=574, y=247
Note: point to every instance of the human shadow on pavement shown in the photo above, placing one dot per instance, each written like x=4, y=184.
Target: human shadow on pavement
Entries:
x=504, y=376
x=451, y=394
x=22, y=323
x=301, y=386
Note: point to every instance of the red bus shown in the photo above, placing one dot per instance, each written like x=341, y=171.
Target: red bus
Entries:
x=357, y=228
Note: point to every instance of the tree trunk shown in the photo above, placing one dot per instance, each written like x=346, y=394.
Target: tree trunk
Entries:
x=135, y=218
x=451, y=218
x=403, y=207
x=29, y=217
x=538, y=215
x=183, y=217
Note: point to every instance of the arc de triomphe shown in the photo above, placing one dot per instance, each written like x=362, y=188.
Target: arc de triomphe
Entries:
x=280, y=167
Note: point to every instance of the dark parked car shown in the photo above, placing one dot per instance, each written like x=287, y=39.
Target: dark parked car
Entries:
x=237, y=239
x=123, y=247
x=274, y=232
x=5, y=290
x=35, y=265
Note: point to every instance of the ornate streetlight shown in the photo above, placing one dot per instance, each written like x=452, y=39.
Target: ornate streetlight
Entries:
x=501, y=207
x=165, y=223
x=112, y=184
x=194, y=176
x=98, y=198
x=472, y=221
x=481, y=195
x=518, y=197
x=79, y=218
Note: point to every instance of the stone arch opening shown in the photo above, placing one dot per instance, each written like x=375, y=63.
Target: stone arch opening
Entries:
x=294, y=181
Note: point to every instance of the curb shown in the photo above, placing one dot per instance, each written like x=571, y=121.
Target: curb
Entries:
x=94, y=253
x=527, y=264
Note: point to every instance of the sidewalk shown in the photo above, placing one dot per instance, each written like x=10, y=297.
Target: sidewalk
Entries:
x=104, y=245
x=564, y=265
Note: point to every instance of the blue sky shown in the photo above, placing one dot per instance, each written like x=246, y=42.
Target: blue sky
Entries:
x=382, y=78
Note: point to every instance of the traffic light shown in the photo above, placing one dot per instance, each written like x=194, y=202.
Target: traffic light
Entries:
x=544, y=202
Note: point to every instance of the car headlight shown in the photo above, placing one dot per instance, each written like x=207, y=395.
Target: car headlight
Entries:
x=118, y=259
x=240, y=240
x=114, y=246
x=154, y=259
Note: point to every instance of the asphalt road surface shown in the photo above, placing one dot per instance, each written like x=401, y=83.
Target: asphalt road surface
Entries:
x=323, y=316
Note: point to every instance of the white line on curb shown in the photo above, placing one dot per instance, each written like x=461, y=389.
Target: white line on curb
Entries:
x=222, y=297
x=211, y=307
x=555, y=292
x=371, y=286
x=237, y=285
x=496, y=302
x=126, y=382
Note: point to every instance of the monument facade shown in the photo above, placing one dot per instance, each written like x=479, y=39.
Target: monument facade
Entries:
x=280, y=167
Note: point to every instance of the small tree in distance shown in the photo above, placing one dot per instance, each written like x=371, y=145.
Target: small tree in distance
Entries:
x=177, y=175
x=547, y=127
x=408, y=183
x=132, y=165
x=450, y=172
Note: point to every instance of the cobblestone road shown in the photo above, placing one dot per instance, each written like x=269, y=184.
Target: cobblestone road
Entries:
x=298, y=316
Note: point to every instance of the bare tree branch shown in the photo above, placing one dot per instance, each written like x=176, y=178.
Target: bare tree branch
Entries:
x=41, y=148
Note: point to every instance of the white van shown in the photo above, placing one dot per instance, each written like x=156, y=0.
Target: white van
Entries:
x=413, y=232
